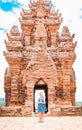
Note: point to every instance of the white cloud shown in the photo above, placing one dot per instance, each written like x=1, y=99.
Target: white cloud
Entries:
x=3, y=63
x=70, y=10
x=7, y=20
x=24, y=3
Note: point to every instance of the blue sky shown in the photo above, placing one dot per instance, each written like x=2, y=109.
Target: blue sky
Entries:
x=9, y=5
x=72, y=17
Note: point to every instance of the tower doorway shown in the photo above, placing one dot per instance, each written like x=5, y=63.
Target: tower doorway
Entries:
x=37, y=89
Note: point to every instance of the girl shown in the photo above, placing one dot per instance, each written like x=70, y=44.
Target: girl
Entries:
x=41, y=107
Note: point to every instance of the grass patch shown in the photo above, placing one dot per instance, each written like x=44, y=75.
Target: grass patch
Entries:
x=78, y=103
x=2, y=104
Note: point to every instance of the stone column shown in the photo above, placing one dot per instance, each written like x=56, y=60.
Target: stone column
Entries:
x=51, y=98
x=14, y=85
x=53, y=32
x=29, y=99
x=66, y=70
x=27, y=33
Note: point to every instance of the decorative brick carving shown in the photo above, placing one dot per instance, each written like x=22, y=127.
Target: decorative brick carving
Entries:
x=40, y=52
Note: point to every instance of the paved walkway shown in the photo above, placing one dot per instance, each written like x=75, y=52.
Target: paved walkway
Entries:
x=50, y=123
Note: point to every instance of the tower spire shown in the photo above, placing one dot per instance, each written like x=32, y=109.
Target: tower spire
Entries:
x=40, y=0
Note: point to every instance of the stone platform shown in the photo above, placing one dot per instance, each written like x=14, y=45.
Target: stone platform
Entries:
x=50, y=123
x=22, y=111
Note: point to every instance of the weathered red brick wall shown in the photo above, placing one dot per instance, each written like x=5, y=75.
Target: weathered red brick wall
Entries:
x=39, y=51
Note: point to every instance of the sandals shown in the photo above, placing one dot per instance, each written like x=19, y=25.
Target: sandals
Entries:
x=40, y=121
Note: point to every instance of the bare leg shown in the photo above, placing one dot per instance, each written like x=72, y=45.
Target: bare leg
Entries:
x=40, y=116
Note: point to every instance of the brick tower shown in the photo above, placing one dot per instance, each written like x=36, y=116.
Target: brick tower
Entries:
x=40, y=58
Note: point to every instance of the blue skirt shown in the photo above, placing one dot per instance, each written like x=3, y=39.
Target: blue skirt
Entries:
x=42, y=107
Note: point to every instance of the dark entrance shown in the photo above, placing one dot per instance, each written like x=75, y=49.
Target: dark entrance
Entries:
x=40, y=88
